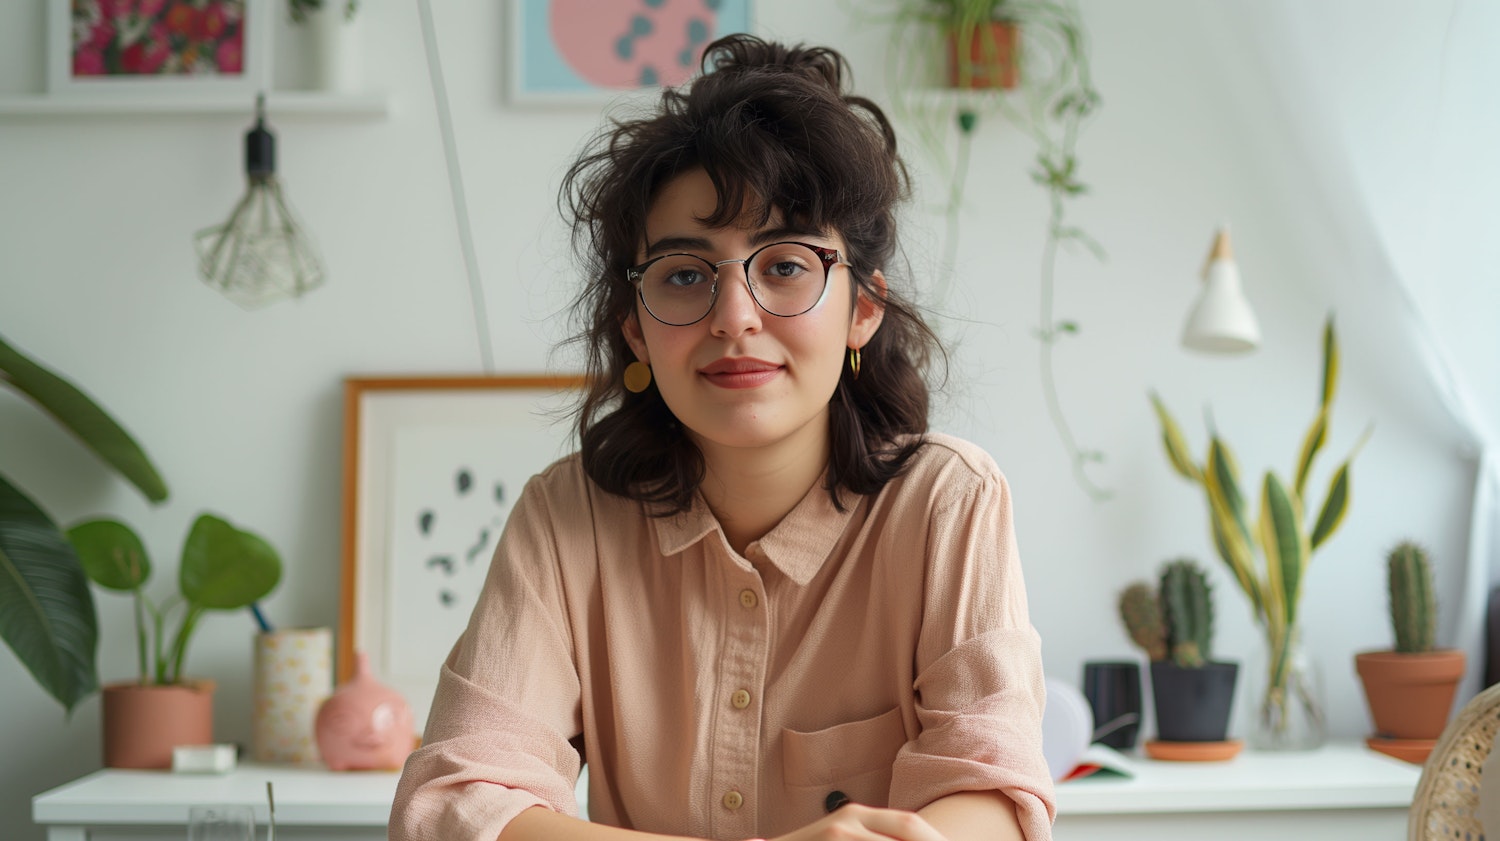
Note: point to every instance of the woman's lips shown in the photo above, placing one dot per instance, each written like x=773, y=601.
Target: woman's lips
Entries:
x=740, y=373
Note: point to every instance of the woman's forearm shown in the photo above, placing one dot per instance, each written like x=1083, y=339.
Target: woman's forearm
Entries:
x=542, y=824
x=974, y=816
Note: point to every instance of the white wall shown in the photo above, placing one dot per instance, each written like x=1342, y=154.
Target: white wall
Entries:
x=241, y=411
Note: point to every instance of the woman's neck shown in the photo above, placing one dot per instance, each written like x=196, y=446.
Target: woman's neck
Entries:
x=751, y=490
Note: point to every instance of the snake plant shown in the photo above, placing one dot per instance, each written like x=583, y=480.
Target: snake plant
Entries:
x=1283, y=533
x=46, y=610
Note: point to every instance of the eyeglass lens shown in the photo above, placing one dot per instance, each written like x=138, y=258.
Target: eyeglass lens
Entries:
x=786, y=279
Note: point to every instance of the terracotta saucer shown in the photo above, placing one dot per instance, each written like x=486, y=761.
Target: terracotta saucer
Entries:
x=1193, y=751
x=1410, y=750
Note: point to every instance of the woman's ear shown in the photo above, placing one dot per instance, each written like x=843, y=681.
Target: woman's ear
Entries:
x=869, y=311
x=631, y=327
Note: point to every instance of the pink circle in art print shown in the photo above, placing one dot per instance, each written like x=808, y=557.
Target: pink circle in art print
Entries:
x=632, y=43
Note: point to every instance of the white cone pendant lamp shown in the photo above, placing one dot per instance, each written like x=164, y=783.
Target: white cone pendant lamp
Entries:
x=1221, y=320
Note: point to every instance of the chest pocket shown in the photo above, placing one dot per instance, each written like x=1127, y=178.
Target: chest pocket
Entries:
x=854, y=758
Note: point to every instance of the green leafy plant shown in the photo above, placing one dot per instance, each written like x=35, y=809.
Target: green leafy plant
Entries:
x=1279, y=533
x=47, y=612
x=223, y=568
x=1413, y=605
x=300, y=9
x=1174, y=621
x=1054, y=100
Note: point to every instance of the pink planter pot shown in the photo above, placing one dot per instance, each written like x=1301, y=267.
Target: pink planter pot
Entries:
x=143, y=723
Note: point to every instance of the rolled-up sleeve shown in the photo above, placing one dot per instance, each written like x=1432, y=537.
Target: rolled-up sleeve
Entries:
x=980, y=687
x=507, y=702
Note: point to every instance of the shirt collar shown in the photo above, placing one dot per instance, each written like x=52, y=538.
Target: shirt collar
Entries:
x=797, y=546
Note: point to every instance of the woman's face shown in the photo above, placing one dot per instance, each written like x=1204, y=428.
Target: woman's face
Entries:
x=742, y=377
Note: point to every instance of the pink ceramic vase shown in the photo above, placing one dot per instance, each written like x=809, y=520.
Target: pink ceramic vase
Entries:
x=364, y=725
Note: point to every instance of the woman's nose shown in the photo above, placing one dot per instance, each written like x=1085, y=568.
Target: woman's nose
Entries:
x=735, y=311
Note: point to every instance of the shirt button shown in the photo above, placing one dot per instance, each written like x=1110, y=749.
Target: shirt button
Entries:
x=748, y=598
x=740, y=699
x=733, y=800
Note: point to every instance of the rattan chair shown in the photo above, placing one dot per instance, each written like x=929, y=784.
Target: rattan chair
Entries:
x=1446, y=803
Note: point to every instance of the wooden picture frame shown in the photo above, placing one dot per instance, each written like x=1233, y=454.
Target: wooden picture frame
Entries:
x=159, y=47
x=432, y=465
x=592, y=52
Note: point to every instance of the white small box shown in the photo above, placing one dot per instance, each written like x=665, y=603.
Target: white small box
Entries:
x=203, y=759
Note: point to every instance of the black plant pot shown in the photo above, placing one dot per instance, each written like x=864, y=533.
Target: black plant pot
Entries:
x=1192, y=705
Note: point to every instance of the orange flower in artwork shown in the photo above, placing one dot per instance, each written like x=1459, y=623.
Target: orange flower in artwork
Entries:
x=180, y=19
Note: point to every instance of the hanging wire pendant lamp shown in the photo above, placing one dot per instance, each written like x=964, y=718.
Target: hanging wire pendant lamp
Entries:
x=261, y=254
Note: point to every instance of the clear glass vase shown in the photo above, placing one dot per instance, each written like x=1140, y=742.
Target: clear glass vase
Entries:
x=1287, y=690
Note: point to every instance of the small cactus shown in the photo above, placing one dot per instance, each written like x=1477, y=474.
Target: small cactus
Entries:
x=1413, y=606
x=1141, y=613
x=1188, y=613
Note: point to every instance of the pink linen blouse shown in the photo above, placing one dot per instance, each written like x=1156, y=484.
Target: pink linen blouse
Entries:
x=883, y=652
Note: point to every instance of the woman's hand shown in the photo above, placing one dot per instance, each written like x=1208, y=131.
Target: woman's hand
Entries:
x=854, y=822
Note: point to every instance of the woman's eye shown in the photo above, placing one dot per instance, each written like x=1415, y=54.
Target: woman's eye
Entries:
x=686, y=277
x=785, y=269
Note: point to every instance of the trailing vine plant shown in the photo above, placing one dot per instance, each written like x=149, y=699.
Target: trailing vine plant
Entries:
x=1052, y=103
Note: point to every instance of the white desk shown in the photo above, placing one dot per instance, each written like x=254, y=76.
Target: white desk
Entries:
x=1342, y=791
x=311, y=803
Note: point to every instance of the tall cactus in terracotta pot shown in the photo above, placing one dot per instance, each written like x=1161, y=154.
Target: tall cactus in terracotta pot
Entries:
x=1410, y=688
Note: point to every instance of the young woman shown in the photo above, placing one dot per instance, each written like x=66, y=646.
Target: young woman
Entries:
x=762, y=601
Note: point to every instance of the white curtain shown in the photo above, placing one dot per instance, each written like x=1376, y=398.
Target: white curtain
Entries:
x=1393, y=110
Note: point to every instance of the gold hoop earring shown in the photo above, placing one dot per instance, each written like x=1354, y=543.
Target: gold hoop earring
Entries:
x=854, y=361
x=637, y=377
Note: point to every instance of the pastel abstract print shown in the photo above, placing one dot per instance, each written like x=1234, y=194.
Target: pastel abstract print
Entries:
x=581, y=46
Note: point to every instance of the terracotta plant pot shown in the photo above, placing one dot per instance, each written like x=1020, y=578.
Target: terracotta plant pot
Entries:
x=990, y=59
x=1410, y=695
x=143, y=723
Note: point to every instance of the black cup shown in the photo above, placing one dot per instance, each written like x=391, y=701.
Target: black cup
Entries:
x=1113, y=689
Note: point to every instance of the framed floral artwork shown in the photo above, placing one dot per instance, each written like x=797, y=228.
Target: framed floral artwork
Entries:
x=163, y=46
x=432, y=466
x=592, y=51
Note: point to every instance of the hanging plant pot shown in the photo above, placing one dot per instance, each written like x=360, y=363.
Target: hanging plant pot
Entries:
x=1410, y=696
x=985, y=57
x=142, y=723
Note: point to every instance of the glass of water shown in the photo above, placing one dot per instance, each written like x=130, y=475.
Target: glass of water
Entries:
x=221, y=823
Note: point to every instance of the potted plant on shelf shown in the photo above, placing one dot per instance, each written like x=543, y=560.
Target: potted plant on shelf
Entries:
x=49, y=619
x=1410, y=689
x=1191, y=692
x=332, y=48
x=1289, y=712
x=222, y=568
x=981, y=38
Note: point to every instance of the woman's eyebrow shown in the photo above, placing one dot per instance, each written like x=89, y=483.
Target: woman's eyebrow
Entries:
x=782, y=232
x=670, y=244
x=678, y=243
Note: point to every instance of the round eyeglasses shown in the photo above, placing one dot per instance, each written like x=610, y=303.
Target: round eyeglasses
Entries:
x=785, y=278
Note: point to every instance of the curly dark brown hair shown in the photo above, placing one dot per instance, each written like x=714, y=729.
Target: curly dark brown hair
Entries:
x=772, y=126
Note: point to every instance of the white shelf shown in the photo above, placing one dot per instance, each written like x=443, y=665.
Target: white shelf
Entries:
x=278, y=103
